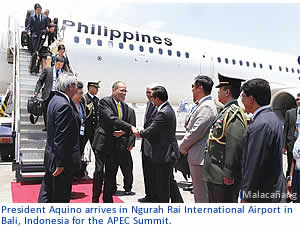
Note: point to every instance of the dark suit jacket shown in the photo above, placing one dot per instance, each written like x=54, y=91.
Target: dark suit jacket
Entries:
x=46, y=80
x=132, y=120
x=262, y=172
x=161, y=133
x=148, y=114
x=83, y=113
x=289, y=129
x=146, y=146
x=63, y=122
x=109, y=121
x=35, y=27
x=42, y=38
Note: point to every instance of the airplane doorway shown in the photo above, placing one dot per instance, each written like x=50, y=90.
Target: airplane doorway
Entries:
x=206, y=65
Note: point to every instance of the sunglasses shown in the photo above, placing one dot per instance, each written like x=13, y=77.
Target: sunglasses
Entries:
x=298, y=99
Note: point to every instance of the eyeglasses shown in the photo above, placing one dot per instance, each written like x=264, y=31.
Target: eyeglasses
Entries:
x=123, y=90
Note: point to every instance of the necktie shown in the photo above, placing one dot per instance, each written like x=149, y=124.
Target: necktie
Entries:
x=57, y=73
x=119, y=110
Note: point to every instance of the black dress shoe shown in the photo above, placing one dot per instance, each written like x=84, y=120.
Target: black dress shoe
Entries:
x=145, y=200
x=44, y=129
x=128, y=193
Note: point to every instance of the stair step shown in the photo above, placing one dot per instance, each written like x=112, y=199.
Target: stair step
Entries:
x=32, y=174
x=32, y=156
x=31, y=150
x=33, y=134
x=32, y=144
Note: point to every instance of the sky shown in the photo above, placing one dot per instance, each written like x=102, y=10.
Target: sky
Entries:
x=269, y=26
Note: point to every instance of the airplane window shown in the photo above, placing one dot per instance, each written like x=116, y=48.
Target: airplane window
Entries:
x=142, y=48
x=131, y=47
x=280, y=68
x=254, y=64
x=178, y=54
x=233, y=61
x=121, y=46
x=292, y=70
x=160, y=51
x=110, y=44
x=170, y=52
x=241, y=62
x=261, y=66
x=219, y=59
x=88, y=41
x=286, y=69
x=270, y=67
x=99, y=42
x=76, y=39
x=247, y=63
x=187, y=55
x=226, y=60
x=150, y=49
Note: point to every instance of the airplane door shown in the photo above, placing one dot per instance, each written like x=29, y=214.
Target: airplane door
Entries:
x=206, y=65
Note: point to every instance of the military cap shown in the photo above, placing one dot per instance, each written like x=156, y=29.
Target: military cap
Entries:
x=94, y=84
x=37, y=6
x=229, y=81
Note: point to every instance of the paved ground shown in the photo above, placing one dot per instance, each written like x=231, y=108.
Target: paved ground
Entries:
x=138, y=180
x=7, y=175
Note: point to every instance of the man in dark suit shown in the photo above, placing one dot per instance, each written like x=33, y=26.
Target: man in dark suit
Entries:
x=62, y=148
x=125, y=162
x=37, y=22
x=81, y=112
x=48, y=80
x=161, y=134
x=146, y=157
x=262, y=174
x=289, y=133
x=113, y=124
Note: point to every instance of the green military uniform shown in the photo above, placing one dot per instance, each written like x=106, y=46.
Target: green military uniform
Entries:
x=224, y=152
x=224, y=147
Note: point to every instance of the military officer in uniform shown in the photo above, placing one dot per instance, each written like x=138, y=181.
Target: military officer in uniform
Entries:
x=222, y=165
x=90, y=103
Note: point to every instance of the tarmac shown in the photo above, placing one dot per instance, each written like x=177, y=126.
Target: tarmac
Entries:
x=7, y=175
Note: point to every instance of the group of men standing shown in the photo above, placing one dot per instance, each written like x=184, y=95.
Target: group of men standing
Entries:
x=227, y=157
x=109, y=125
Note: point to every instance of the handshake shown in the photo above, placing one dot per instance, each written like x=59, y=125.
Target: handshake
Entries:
x=135, y=131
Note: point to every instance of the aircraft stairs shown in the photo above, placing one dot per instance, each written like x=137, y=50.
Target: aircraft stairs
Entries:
x=32, y=139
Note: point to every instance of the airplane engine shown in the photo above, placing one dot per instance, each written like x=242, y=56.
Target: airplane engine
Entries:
x=284, y=100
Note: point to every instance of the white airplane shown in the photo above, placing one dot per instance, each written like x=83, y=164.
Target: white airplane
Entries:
x=99, y=51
